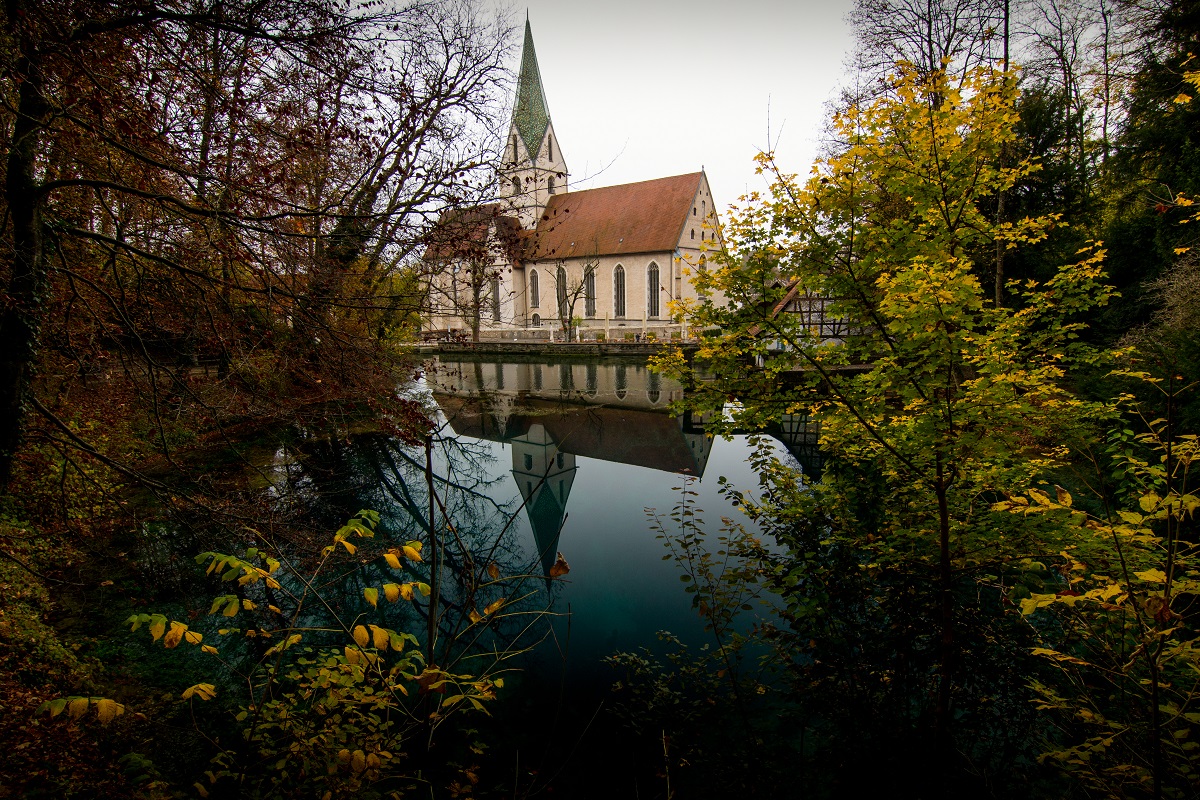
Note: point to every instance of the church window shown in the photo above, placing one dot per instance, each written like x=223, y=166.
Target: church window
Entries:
x=654, y=388
x=516, y=186
x=495, y=299
x=534, y=290
x=564, y=310
x=619, y=291
x=652, y=289
x=589, y=291
x=560, y=460
x=693, y=233
x=528, y=462
x=550, y=153
x=550, y=184
x=622, y=382
x=703, y=265
x=537, y=320
x=693, y=211
x=512, y=146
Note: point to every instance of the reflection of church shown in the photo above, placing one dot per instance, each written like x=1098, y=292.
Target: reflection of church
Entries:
x=547, y=436
x=544, y=475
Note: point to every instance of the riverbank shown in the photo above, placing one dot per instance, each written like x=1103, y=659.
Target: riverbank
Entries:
x=532, y=350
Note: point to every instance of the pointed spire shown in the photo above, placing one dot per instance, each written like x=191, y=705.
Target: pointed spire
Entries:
x=531, y=115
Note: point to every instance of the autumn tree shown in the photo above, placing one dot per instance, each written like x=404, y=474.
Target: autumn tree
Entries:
x=244, y=183
x=936, y=396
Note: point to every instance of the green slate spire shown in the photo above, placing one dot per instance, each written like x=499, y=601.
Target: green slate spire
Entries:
x=531, y=116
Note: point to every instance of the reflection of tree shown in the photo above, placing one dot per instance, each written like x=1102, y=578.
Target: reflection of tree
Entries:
x=478, y=559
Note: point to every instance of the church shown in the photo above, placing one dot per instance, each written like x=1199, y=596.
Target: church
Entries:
x=544, y=262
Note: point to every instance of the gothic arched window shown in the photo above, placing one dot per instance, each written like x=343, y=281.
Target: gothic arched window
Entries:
x=652, y=289
x=534, y=291
x=495, y=299
x=537, y=320
x=564, y=311
x=619, y=291
x=550, y=155
x=550, y=184
x=516, y=187
x=589, y=291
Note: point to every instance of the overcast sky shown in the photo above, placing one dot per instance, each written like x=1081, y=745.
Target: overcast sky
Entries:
x=641, y=89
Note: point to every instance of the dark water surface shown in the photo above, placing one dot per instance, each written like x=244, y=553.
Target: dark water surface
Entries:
x=536, y=464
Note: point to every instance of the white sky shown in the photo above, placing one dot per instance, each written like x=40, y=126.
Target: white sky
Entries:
x=642, y=89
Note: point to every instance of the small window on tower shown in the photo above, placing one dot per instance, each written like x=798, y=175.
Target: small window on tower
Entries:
x=549, y=148
x=693, y=233
x=516, y=186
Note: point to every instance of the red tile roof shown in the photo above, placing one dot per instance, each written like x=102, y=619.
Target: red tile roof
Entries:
x=463, y=232
x=644, y=217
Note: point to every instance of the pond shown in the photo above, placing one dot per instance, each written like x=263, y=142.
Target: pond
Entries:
x=547, y=479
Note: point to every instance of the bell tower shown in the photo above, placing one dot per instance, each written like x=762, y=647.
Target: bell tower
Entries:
x=532, y=168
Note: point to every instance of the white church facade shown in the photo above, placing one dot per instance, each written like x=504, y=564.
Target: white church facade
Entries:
x=545, y=262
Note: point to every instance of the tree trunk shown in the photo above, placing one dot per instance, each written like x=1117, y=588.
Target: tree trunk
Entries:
x=20, y=319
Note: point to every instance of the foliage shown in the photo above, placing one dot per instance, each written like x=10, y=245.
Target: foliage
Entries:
x=1118, y=620
x=930, y=399
x=322, y=708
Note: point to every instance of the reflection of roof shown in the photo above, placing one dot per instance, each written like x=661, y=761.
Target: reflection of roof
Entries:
x=644, y=217
x=620, y=435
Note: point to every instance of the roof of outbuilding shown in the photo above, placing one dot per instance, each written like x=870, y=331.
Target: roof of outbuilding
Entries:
x=644, y=217
x=465, y=233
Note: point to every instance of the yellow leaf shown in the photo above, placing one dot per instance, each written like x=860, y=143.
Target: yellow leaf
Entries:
x=474, y=616
x=353, y=656
x=343, y=756
x=392, y=559
x=493, y=607
x=372, y=596
x=391, y=591
x=175, y=635
x=77, y=707
x=406, y=591
x=351, y=549
x=1182, y=98
x=1063, y=496
x=1181, y=250
x=156, y=628
x=411, y=553
x=204, y=691
x=361, y=637
x=108, y=710
x=231, y=608
x=379, y=637
x=200, y=790
x=358, y=761
x=1152, y=576
x=208, y=648
x=192, y=637
x=493, y=571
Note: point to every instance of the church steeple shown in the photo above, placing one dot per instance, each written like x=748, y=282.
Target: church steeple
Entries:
x=533, y=167
x=531, y=116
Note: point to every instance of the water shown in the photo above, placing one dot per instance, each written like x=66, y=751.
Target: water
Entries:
x=536, y=465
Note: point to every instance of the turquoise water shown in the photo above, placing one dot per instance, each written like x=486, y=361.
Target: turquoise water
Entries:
x=537, y=467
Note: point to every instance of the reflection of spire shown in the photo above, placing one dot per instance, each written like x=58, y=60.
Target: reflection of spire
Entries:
x=544, y=475
x=698, y=441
